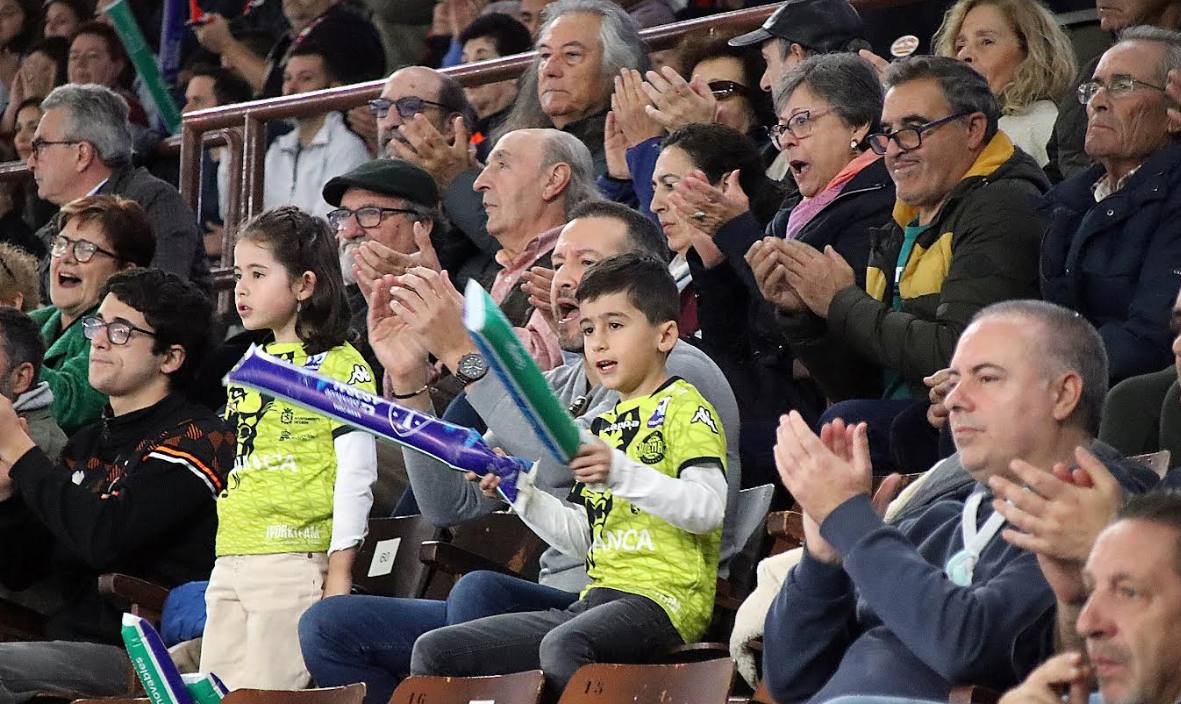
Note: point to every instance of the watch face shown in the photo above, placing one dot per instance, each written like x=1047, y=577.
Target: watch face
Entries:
x=473, y=366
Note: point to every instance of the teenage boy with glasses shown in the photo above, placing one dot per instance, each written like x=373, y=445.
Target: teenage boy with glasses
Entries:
x=133, y=493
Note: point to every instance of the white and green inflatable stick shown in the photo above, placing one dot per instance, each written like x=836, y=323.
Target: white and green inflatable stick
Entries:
x=144, y=62
x=151, y=662
x=507, y=357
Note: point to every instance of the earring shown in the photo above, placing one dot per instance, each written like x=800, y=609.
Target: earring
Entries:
x=298, y=307
x=853, y=144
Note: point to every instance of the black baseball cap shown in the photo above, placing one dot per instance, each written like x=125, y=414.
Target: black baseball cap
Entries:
x=390, y=177
x=821, y=25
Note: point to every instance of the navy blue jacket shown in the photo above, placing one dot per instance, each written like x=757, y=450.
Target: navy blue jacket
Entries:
x=1115, y=262
x=886, y=621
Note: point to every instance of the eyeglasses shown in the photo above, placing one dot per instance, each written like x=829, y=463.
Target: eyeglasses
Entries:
x=40, y=144
x=118, y=331
x=407, y=106
x=908, y=138
x=84, y=250
x=367, y=217
x=799, y=125
x=1119, y=84
x=726, y=89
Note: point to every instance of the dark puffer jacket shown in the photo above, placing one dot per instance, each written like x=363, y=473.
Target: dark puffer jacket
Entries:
x=981, y=248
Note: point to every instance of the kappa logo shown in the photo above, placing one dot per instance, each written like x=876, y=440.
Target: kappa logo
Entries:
x=360, y=375
x=650, y=450
x=622, y=425
x=704, y=417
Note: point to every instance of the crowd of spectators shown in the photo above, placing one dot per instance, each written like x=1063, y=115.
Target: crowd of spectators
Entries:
x=772, y=257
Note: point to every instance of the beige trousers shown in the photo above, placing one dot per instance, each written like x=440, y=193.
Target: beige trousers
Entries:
x=253, y=606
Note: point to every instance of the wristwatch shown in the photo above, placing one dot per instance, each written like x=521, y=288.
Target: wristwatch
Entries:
x=471, y=368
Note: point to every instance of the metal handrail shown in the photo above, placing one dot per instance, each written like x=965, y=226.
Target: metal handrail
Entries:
x=242, y=126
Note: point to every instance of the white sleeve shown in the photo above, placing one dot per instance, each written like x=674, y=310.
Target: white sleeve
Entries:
x=695, y=501
x=352, y=497
x=562, y=525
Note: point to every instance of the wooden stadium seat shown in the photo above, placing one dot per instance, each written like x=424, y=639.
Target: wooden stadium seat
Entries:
x=387, y=564
x=350, y=694
x=499, y=542
x=706, y=682
x=518, y=688
x=134, y=595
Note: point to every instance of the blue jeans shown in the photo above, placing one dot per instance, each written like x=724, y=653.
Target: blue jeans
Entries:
x=369, y=639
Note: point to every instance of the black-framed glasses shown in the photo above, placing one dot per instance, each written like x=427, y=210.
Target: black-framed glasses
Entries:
x=908, y=138
x=726, y=89
x=118, y=331
x=84, y=250
x=799, y=125
x=1116, y=86
x=40, y=144
x=367, y=217
x=407, y=106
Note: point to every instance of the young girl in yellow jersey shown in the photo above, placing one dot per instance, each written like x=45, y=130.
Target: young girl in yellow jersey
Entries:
x=299, y=495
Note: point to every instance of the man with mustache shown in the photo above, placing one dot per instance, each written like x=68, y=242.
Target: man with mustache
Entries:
x=385, y=210
x=424, y=117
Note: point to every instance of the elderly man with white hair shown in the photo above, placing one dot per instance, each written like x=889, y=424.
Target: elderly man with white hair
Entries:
x=582, y=46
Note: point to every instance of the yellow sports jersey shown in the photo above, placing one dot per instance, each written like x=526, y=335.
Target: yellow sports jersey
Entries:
x=279, y=494
x=634, y=551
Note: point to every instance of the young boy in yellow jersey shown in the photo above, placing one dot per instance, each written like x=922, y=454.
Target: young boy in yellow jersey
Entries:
x=645, y=511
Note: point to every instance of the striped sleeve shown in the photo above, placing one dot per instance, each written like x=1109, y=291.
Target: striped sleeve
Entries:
x=200, y=469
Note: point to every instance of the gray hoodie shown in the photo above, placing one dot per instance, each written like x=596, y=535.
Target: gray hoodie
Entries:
x=446, y=498
x=33, y=406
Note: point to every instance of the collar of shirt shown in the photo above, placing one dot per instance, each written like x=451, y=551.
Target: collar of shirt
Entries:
x=537, y=246
x=512, y=268
x=1103, y=187
x=99, y=186
x=333, y=123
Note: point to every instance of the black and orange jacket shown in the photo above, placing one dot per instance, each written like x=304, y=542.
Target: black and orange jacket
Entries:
x=132, y=494
x=981, y=248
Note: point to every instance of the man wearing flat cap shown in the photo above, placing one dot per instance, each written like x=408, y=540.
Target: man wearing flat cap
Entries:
x=385, y=217
x=801, y=28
